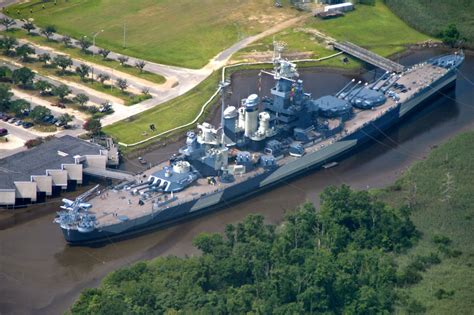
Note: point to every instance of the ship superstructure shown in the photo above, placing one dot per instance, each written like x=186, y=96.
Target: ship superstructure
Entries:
x=259, y=143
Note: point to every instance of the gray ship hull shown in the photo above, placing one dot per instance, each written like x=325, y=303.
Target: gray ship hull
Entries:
x=235, y=193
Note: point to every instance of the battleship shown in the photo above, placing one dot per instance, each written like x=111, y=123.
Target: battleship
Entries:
x=260, y=143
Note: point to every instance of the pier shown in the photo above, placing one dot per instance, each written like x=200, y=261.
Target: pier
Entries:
x=368, y=56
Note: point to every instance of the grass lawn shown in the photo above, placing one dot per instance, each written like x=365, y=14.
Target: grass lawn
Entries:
x=171, y=114
x=186, y=33
x=76, y=53
x=373, y=27
x=433, y=16
x=45, y=128
x=443, y=205
x=298, y=41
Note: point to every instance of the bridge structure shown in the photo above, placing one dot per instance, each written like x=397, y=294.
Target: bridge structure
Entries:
x=368, y=56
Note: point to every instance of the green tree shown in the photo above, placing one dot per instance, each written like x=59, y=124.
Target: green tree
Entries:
x=49, y=31
x=102, y=77
x=38, y=113
x=123, y=60
x=83, y=71
x=140, y=64
x=146, y=91
x=20, y=106
x=7, y=43
x=5, y=73
x=62, y=62
x=65, y=118
x=67, y=41
x=7, y=22
x=104, y=53
x=5, y=97
x=84, y=43
x=24, y=51
x=122, y=84
x=93, y=125
x=43, y=86
x=451, y=36
x=61, y=91
x=81, y=99
x=44, y=58
x=23, y=76
x=28, y=26
x=303, y=266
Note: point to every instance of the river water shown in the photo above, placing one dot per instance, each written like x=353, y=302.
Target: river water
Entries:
x=40, y=274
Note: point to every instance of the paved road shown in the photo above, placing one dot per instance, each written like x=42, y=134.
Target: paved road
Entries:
x=17, y=131
x=4, y=3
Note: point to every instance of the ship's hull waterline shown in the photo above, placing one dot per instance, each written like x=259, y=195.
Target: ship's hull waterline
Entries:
x=236, y=193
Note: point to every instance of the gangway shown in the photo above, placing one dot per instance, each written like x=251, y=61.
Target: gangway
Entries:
x=368, y=56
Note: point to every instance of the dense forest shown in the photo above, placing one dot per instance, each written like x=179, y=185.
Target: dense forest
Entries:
x=434, y=16
x=338, y=259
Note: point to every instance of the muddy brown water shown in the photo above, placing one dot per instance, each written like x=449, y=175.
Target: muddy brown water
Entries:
x=40, y=274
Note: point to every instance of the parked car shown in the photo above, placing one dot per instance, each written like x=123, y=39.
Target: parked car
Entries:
x=3, y=132
x=18, y=122
x=11, y=120
x=48, y=118
x=5, y=117
x=27, y=124
x=60, y=105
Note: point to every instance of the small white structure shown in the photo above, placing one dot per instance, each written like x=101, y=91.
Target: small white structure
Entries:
x=341, y=7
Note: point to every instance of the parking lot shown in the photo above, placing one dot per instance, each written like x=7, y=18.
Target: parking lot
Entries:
x=19, y=133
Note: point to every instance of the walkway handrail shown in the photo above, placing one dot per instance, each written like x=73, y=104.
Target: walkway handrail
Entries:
x=368, y=56
x=201, y=112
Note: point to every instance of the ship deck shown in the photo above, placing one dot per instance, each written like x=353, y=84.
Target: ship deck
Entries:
x=111, y=206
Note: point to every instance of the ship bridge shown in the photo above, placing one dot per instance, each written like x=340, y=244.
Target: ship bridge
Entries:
x=369, y=57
